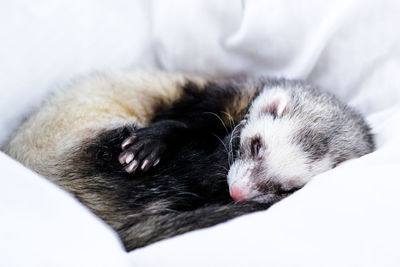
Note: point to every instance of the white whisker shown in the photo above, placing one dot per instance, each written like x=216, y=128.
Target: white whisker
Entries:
x=231, y=145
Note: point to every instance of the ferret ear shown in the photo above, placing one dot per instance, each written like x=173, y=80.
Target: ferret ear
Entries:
x=277, y=103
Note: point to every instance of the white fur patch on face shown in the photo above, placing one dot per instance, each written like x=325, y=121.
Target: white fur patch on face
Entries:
x=273, y=101
x=285, y=160
x=240, y=170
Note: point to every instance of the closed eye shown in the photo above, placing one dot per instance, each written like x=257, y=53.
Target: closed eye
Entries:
x=282, y=191
x=255, y=147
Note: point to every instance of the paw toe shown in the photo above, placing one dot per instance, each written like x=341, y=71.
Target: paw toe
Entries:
x=146, y=165
x=128, y=141
x=132, y=166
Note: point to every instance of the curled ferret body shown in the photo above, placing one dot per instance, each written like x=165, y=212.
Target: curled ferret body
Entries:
x=156, y=154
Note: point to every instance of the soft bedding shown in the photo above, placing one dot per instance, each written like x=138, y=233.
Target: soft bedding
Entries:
x=348, y=216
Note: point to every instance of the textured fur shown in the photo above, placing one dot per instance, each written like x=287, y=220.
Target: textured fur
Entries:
x=300, y=132
x=195, y=128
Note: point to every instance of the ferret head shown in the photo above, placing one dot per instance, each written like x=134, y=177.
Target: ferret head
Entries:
x=272, y=159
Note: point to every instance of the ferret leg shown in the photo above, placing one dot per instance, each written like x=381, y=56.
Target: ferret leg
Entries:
x=196, y=118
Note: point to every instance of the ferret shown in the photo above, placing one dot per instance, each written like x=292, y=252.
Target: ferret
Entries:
x=156, y=154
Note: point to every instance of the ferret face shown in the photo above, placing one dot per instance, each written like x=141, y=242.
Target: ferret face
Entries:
x=271, y=162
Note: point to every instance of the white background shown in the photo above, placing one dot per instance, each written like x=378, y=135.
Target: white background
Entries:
x=348, y=216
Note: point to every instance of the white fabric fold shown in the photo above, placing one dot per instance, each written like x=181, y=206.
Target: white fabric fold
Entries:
x=348, y=216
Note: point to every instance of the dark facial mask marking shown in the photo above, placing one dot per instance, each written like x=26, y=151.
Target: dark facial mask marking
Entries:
x=255, y=147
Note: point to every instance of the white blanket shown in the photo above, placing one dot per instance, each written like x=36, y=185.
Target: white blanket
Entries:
x=348, y=216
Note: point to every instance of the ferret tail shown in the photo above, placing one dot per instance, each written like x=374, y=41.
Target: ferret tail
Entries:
x=161, y=226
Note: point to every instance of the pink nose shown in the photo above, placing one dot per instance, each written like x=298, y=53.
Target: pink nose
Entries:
x=237, y=193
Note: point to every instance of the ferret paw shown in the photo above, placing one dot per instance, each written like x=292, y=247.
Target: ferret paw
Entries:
x=142, y=150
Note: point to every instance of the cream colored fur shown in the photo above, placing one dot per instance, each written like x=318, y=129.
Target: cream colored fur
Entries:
x=80, y=111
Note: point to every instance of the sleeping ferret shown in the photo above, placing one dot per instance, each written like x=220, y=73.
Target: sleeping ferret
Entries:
x=156, y=154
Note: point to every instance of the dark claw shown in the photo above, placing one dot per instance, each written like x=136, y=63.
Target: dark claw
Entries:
x=146, y=165
x=151, y=160
x=156, y=162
